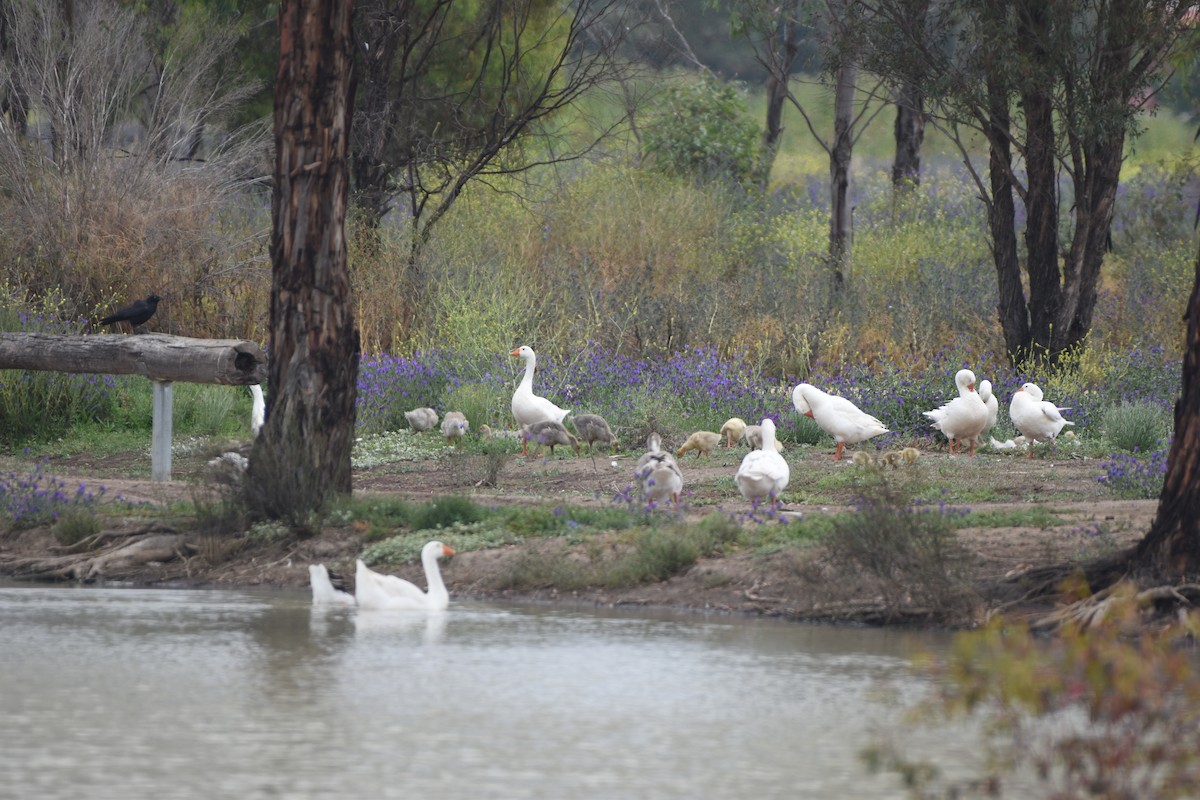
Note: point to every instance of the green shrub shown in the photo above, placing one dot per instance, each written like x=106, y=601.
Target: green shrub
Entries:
x=479, y=402
x=910, y=549
x=446, y=512
x=461, y=536
x=1131, y=427
x=807, y=431
x=704, y=129
x=1109, y=709
x=76, y=524
x=659, y=553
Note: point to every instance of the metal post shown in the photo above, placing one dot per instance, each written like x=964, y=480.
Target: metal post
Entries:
x=160, y=441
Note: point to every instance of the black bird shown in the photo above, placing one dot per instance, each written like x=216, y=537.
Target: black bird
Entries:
x=136, y=314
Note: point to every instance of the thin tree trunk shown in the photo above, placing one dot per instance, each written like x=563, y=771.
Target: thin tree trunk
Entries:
x=779, y=73
x=1095, y=204
x=910, y=133
x=1172, y=547
x=840, y=221
x=304, y=448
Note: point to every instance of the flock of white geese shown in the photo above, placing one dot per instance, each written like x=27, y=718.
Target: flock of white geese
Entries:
x=762, y=475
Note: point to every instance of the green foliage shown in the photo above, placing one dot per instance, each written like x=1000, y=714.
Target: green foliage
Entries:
x=76, y=524
x=37, y=405
x=462, y=537
x=208, y=409
x=1108, y=709
x=645, y=555
x=267, y=532
x=1131, y=427
x=445, y=512
x=911, y=550
x=1032, y=517
x=479, y=402
x=563, y=520
x=807, y=431
x=705, y=131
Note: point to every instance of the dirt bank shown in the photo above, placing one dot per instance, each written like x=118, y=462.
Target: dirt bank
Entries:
x=792, y=582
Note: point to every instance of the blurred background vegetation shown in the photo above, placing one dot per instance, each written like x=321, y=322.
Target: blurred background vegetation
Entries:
x=636, y=216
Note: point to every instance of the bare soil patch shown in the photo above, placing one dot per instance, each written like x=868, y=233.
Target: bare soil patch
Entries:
x=789, y=582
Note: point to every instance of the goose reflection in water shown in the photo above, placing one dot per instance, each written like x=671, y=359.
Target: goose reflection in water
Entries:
x=430, y=624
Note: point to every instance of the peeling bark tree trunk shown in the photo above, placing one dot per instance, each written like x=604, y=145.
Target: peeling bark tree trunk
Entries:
x=1172, y=547
x=303, y=452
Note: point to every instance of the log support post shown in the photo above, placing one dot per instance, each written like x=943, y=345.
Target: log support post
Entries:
x=161, y=358
x=160, y=437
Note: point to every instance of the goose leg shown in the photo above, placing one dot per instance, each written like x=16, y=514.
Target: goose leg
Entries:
x=838, y=455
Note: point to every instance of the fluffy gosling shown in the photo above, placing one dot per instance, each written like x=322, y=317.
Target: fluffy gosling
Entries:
x=702, y=442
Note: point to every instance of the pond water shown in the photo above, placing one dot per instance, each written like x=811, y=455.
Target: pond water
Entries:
x=136, y=693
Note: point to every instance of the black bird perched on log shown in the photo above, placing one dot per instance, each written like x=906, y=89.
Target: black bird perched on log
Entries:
x=135, y=314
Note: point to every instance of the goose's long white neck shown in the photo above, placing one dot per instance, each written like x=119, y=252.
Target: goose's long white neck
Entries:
x=527, y=378
x=433, y=576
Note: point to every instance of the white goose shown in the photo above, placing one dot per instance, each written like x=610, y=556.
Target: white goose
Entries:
x=993, y=406
x=763, y=473
x=964, y=417
x=258, y=409
x=1038, y=420
x=323, y=591
x=528, y=407
x=374, y=590
x=837, y=416
x=658, y=472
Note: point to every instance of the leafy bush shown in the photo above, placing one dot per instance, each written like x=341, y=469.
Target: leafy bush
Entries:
x=1111, y=710
x=659, y=553
x=1135, y=427
x=910, y=549
x=446, y=512
x=705, y=130
x=461, y=537
x=76, y=524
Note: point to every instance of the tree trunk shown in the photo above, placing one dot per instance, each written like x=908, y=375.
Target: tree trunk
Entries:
x=1172, y=547
x=303, y=451
x=779, y=73
x=1096, y=196
x=910, y=133
x=379, y=31
x=840, y=222
x=1041, y=198
x=1002, y=215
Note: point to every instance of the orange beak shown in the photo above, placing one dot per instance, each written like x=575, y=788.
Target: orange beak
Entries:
x=447, y=550
x=516, y=352
x=808, y=413
x=970, y=387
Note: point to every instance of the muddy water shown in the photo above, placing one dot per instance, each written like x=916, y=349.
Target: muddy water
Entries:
x=124, y=693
